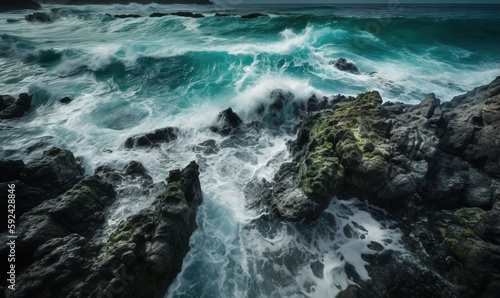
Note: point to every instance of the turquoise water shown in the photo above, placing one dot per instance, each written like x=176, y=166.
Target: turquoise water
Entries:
x=129, y=76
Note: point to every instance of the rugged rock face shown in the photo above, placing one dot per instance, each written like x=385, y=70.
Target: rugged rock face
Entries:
x=42, y=179
x=55, y=237
x=388, y=153
x=435, y=165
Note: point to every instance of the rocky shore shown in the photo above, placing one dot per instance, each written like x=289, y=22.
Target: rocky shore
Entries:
x=435, y=167
x=60, y=211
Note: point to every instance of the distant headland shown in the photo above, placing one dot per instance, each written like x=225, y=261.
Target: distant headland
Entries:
x=30, y=4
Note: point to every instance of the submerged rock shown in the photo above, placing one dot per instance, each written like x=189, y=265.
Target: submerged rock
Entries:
x=253, y=15
x=343, y=65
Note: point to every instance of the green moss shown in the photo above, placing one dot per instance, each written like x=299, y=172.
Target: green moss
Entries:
x=469, y=216
x=336, y=144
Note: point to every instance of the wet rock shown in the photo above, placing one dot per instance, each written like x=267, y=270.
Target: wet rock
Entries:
x=5, y=101
x=44, y=178
x=15, y=109
x=56, y=168
x=158, y=15
x=208, y=147
x=154, y=241
x=343, y=65
x=65, y=100
x=227, y=122
x=219, y=14
x=187, y=14
x=387, y=154
x=38, y=17
x=140, y=259
x=163, y=135
x=253, y=15
x=127, y=16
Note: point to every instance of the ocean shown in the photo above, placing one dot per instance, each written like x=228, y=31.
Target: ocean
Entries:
x=134, y=75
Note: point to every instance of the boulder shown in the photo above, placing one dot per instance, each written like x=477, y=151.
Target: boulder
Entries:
x=343, y=65
x=162, y=135
x=65, y=100
x=17, y=108
x=38, y=17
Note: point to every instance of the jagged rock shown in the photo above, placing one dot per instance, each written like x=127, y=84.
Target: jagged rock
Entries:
x=253, y=15
x=228, y=121
x=140, y=259
x=15, y=109
x=38, y=17
x=163, y=135
x=43, y=178
x=465, y=131
x=343, y=65
x=388, y=154
x=148, y=248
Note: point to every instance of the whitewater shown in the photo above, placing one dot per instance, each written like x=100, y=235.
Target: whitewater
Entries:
x=130, y=76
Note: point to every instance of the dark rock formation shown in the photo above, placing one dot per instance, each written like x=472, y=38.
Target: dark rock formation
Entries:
x=435, y=165
x=127, y=16
x=187, y=14
x=13, y=109
x=184, y=14
x=38, y=17
x=140, y=259
x=390, y=153
x=41, y=179
x=343, y=65
x=227, y=122
x=65, y=100
x=163, y=135
x=253, y=15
